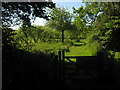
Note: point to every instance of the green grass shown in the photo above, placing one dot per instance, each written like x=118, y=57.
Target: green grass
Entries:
x=90, y=49
x=85, y=50
x=48, y=47
x=78, y=49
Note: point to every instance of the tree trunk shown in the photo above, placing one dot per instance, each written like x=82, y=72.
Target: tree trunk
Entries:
x=62, y=36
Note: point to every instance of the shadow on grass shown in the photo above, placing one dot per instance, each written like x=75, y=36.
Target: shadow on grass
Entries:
x=79, y=44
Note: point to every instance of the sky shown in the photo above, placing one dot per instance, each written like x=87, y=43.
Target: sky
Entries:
x=60, y=3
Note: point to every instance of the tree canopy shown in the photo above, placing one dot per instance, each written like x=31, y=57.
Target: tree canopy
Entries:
x=13, y=13
x=60, y=19
x=108, y=23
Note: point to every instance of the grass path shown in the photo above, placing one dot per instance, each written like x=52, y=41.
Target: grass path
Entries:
x=79, y=51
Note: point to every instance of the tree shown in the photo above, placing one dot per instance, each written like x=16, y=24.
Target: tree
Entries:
x=84, y=18
x=13, y=13
x=104, y=21
x=108, y=23
x=80, y=21
x=60, y=19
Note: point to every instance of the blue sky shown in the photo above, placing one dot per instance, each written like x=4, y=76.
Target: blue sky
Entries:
x=61, y=3
x=69, y=5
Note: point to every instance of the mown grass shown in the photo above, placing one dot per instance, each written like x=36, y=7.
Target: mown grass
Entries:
x=90, y=49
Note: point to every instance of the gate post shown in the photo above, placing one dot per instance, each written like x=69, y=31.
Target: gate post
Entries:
x=100, y=64
x=63, y=66
x=56, y=67
x=59, y=58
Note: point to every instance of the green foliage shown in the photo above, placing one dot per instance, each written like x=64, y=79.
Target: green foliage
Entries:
x=79, y=20
x=60, y=19
x=108, y=24
x=35, y=34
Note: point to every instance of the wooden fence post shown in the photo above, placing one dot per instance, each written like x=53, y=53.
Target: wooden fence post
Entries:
x=59, y=60
x=63, y=66
x=100, y=63
x=56, y=67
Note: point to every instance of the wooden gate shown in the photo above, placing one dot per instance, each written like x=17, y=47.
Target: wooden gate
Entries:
x=84, y=68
